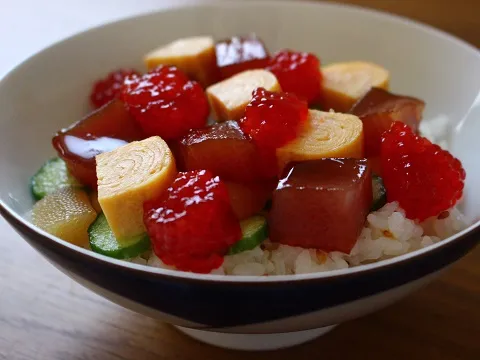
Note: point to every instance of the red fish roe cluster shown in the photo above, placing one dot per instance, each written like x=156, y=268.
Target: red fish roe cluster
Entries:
x=193, y=225
x=273, y=119
x=109, y=88
x=422, y=177
x=165, y=102
x=297, y=72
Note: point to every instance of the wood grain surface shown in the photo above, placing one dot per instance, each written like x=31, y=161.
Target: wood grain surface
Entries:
x=46, y=316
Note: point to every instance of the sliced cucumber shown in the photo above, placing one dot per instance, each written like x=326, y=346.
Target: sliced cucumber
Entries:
x=53, y=175
x=254, y=232
x=103, y=241
x=379, y=193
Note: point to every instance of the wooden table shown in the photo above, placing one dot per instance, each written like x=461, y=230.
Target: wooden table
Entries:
x=46, y=316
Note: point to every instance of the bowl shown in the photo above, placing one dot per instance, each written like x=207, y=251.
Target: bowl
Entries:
x=49, y=91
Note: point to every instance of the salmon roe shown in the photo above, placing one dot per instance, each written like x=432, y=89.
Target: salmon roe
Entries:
x=165, y=102
x=273, y=119
x=297, y=72
x=109, y=88
x=193, y=225
x=423, y=178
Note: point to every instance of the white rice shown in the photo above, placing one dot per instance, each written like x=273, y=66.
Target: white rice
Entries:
x=387, y=233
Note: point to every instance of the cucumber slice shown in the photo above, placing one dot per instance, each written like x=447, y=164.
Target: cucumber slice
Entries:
x=103, y=241
x=379, y=193
x=53, y=175
x=254, y=230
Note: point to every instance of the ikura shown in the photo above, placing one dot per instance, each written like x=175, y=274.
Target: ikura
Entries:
x=109, y=88
x=297, y=72
x=193, y=225
x=423, y=178
x=273, y=119
x=165, y=102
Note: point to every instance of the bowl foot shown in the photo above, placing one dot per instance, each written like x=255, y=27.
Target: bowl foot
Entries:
x=255, y=342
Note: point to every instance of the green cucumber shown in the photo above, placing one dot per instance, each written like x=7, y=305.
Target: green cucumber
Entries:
x=53, y=175
x=379, y=193
x=103, y=241
x=254, y=232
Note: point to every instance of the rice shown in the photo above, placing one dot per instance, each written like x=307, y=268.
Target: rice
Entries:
x=387, y=233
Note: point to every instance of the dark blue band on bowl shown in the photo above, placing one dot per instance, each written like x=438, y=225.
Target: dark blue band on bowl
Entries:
x=228, y=304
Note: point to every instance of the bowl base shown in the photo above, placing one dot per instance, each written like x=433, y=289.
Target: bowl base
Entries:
x=255, y=342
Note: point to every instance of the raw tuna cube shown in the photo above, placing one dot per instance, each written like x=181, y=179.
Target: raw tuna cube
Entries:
x=321, y=204
x=223, y=149
x=378, y=109
x=238, y=54
x=103, y=130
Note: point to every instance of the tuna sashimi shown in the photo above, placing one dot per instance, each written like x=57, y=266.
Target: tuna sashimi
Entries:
x=378, y=109
x=322, y=204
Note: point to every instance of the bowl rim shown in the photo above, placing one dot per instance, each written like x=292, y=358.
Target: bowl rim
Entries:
x=13, y=217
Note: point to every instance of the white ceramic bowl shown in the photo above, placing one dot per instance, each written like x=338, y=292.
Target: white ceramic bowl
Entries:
x=49, y=91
